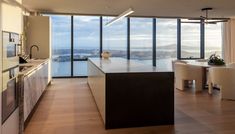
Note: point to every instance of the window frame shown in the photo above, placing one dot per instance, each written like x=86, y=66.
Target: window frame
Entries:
x=154, y=27
x=202, y=41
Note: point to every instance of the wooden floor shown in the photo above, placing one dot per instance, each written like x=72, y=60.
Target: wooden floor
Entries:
x=68, y=108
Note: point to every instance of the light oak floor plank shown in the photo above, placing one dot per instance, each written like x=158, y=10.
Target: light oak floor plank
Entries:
x=68, y=107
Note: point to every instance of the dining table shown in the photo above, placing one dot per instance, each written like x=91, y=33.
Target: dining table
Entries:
x=197, y=63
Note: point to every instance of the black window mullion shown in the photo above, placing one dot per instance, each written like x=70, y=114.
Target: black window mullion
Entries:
x=72, y=45
x=202, y=38
x=178, y=39
x=101, y=35
x=128, y=38
x=154, y=41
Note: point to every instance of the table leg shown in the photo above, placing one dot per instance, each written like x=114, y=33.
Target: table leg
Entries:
x=204, y=78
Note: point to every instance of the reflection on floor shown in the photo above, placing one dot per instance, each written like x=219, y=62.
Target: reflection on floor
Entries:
x=68, y=108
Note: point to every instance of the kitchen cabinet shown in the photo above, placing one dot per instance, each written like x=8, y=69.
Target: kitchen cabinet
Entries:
x=34, y=85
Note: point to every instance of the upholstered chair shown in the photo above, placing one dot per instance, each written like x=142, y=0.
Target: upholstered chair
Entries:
x=224, y=78
x=177, y=61
x=185, y=72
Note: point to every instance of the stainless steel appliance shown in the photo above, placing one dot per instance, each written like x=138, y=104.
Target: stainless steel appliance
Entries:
x=9, y=93
x=9, y=74
x=10, y=50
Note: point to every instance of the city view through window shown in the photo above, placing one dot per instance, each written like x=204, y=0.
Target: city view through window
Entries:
x=166, y=42
x=141, y=37
x=86, y=42
x=190, y=40
x=61, y=45
x=67, y=62
x=115, y=37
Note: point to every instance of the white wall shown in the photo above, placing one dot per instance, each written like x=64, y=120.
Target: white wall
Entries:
x=12, y=19
x=38, y=33
x=0, y=62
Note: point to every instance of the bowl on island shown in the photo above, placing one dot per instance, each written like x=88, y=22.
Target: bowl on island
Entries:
x=106, y=55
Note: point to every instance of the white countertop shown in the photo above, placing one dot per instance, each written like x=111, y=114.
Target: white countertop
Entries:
x=32, y=65
x=121, y=65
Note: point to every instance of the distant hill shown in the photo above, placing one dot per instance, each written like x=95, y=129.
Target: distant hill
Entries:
x=174, y=46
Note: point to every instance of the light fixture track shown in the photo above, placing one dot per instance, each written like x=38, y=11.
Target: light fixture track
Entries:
x=206, y=19
x=119, y=17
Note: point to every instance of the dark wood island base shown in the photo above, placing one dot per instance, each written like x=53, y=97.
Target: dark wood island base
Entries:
x=129, y=94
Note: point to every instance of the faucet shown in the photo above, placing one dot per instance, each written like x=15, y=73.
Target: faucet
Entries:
x=30, y=54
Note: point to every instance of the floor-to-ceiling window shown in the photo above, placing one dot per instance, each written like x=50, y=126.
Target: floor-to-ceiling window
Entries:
x=190, y=39
x=213, y=39
x=115, y=37
x=86, y=42
x=76, y=38
x=61, y=45
x=141, y=39
x=166, y=42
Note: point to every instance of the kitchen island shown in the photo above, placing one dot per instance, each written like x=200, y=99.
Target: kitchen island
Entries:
x=131, y=94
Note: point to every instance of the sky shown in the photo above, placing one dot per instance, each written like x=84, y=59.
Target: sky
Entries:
x=87, y=30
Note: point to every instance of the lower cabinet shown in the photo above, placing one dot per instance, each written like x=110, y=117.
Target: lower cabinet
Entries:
x=34, y=85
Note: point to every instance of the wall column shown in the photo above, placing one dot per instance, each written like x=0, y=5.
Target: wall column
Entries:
x=229, y=41
x=1, y=62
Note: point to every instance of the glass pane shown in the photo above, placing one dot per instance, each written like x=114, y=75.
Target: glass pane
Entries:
x=166, y=42
x=213, y=39
x=86, y=42
x=61, y=45
x=141, y=39
x=190, y=40
x=115, y=37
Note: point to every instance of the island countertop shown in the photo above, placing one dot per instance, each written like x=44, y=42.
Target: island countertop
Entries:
x=121, y=65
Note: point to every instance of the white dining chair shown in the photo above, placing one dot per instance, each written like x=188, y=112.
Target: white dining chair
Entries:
x=188, y=82
x=224, y=78
x=177, y=61
x=184, y=72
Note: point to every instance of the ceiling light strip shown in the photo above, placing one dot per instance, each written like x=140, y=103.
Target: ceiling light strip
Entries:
x=119, y=17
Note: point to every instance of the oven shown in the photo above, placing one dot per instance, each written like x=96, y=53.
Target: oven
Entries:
x=10, y=50
x=10, y=69
x=10, y=92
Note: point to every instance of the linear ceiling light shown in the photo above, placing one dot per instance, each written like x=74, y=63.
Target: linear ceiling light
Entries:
x=119, y=17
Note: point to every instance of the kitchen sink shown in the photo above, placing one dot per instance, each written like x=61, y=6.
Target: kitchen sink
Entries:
x=24, y=67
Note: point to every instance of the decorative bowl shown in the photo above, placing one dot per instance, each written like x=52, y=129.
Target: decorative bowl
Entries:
x=106, y=55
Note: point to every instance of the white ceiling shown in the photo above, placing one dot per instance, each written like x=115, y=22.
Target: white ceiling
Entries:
x=158, y=8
